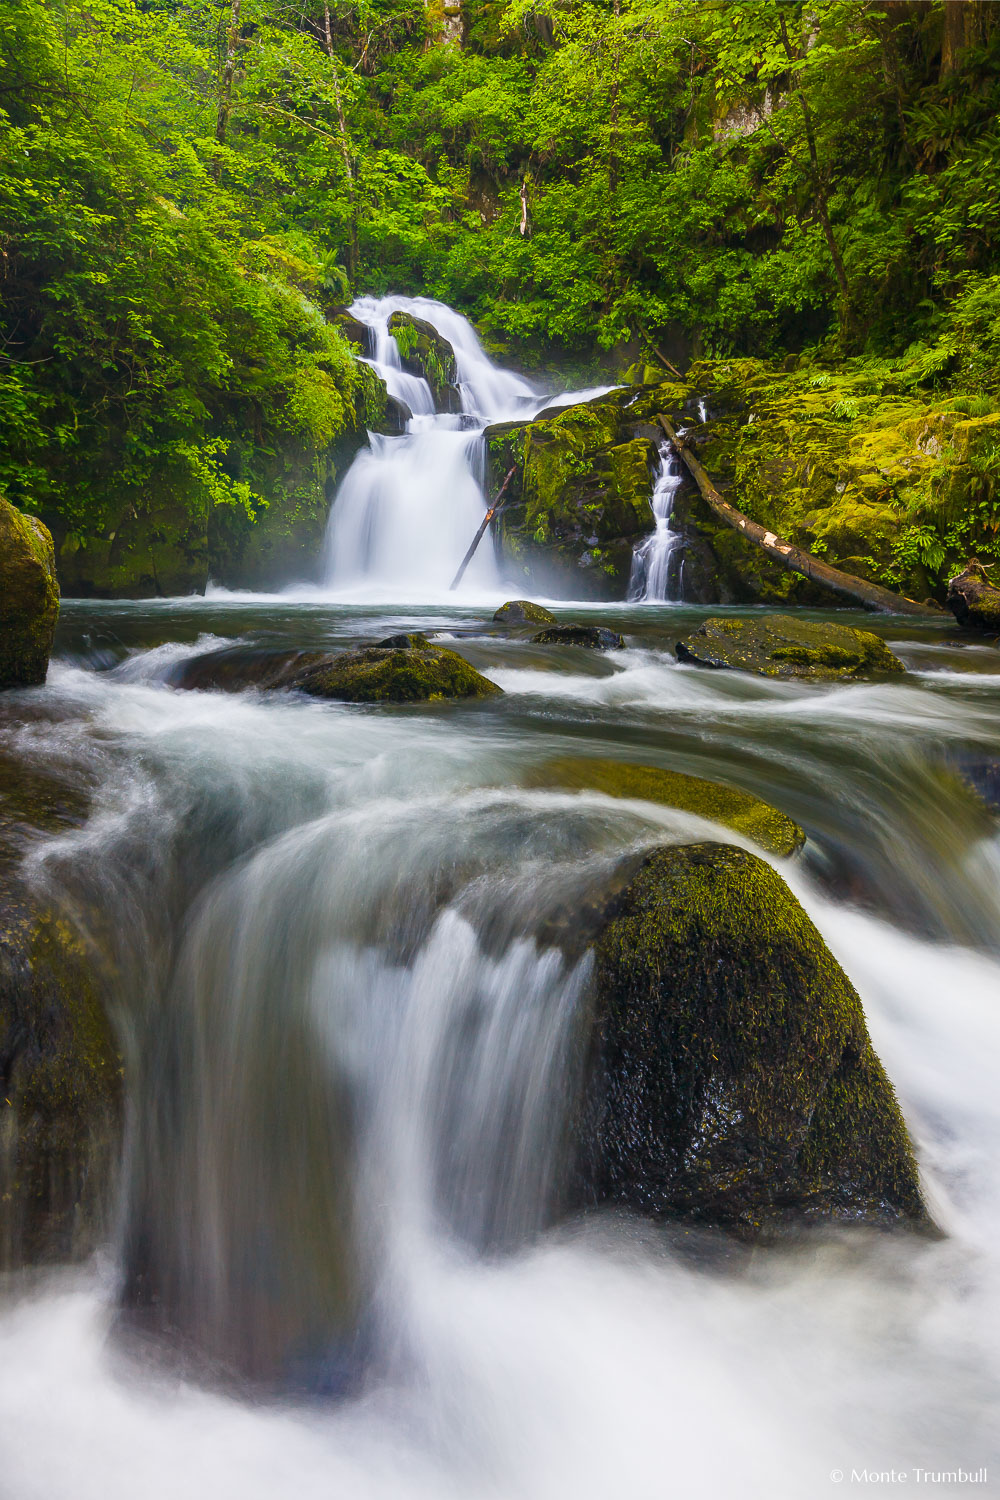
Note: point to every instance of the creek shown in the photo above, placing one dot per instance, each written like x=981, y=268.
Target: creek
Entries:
x=351, y=1042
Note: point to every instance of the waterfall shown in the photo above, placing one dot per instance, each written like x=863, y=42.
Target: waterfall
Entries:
x=657, y=566
x=410, y=505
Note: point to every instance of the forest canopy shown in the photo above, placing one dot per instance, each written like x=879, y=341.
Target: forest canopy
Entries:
x=188, y=190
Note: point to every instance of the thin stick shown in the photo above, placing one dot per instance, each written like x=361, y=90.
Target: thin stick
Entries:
x=496, y=506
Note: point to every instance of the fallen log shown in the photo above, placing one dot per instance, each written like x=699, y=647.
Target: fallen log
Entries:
x=496, y=506
x=795, y=559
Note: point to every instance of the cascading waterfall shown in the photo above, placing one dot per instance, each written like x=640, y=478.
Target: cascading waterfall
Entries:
x=410, y=505
x=658, y=563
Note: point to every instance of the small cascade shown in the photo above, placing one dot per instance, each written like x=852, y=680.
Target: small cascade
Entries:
x=658, y=564
x=410, y=505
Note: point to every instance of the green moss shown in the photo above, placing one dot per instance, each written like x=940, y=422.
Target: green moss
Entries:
x=523, y=612
x=786, y=646
x=425, y=352
x=739, y=810
x=378, y=675
x=29, y=598
x=733, y=1080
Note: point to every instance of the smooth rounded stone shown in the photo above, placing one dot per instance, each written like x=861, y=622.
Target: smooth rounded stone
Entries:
x=523, y=612
x=61, y=1124
x=741, y=811
x=973, y=599
x=786, y=646
x=403, y=642
x=379, y=675
x=29, y=598
x=236, y=668
x=731, y=1080
x=595, y=637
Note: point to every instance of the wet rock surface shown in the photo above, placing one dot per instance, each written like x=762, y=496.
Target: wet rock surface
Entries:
x=523, y=612
x=786, y=646
x=595, y=637
x=405, y=668
x=731, y=1079
x=733, y=808
x=974, y=599
x=29, y=598
x=425, y=352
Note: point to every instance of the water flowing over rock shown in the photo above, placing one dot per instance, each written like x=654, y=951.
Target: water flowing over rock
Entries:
x=29, y=598
x=732, y=1080
x=785, y=646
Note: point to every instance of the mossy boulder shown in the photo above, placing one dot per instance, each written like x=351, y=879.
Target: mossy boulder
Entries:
x=974, y=599
x=425, y=352
x=731, y=1079
x=594, y=637
x=523, y=612
x=60, y=1068
x=378, y=674
x=786, y=646
x=733, y=808
x=29, y=598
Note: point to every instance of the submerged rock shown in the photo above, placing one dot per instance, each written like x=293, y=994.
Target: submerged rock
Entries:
x=785, y=646
x=523, y=612
x=235, y=668
x=377, y=674
x=596, y=637
x=425, y=352
x=973, y=599
x=29, y=598
x=732, y=1080
x=60, y=1069
x=735, y=809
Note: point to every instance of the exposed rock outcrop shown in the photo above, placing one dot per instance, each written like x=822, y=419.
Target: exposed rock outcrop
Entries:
x=29, y=598
x=425, y=352
x=732, y=1080
x=974, y=599
x=786, y=646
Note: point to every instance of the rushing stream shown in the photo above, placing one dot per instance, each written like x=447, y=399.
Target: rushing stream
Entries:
x=351, y=1044
x=349, y=998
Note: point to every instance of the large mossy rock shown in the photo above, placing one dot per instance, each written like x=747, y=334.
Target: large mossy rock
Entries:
x=426, y=353
x=401, y=669
x=786, y=646
x=60, y=1069
x=974, y=599
x=29, y=598
x=581, y=495
x=741, y=811
x=380, y=674
x=732, y=1080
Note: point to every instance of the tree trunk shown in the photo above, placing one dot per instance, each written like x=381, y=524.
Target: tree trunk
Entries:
x=795, y=559
x=229, y=69
x=957, y=19
x=345, y=149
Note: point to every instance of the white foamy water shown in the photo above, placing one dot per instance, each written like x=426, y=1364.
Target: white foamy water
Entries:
x=328, y=924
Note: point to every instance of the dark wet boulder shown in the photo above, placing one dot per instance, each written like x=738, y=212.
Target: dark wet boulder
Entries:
x=425, y=352
x=60, y=1068
x=382, y=675
x=596, y=637
x=741, y=811
x=29, y=598
x=731, y=1079
x=236, y=668
x=403, y=642
x=786, y=646
x=974, y=599
x=523, y=612
x=354, y=331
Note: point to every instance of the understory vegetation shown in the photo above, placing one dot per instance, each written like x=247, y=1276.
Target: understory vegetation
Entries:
x=807, y=195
